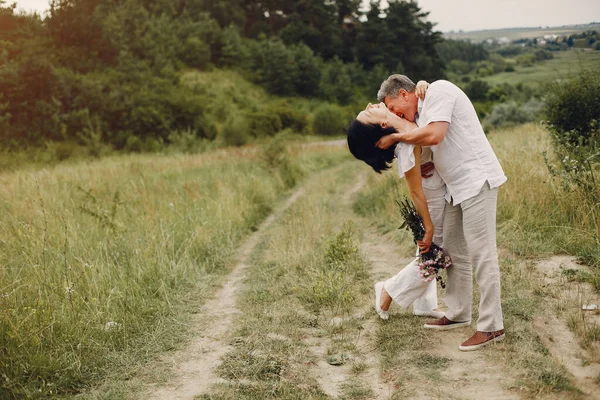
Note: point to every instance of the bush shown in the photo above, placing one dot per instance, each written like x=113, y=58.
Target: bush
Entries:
x=541, y=55
x=292, y=118
x=196, y=53
x=511, y=113
x=329, y=120
x=477, y=90
x=573, y=113
x=185, y=141
x=482, y=108
x=574, y=105
x=235, y=131
x=275, y=155
x=263, y=123
x=526, y=60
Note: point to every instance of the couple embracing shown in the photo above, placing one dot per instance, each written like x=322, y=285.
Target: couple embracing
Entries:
x=453, y=177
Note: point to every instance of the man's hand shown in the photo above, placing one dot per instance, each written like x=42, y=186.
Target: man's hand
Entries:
x=426, y=170
x=421, y=89
x=387, y=141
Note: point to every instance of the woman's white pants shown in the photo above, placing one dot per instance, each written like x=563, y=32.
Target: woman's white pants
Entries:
x=407, y=287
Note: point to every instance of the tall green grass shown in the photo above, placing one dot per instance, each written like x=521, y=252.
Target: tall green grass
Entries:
x=97, y=259
x=535, y=215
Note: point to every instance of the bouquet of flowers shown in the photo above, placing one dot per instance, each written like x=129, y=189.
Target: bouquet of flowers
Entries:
x=435, y=259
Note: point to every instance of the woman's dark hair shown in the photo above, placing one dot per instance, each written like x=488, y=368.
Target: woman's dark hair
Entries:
x=361, y=142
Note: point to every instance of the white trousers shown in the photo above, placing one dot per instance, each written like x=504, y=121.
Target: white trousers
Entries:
x=470, y=239
x=407, y=286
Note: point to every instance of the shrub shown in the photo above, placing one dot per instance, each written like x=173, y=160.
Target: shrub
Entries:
x=185, y=141
x=329, y=119
x=235, y=131
x=526, y=60
x=133, y=144
x=292, y=118
x=276, y=157
x=263, y=123
x=482, y=108
x=196, y=53
x=573, y=114
x=574, y=105
x=477, y=90
x=511, y=113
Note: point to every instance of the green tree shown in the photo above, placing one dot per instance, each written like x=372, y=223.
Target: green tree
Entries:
x=275, y=66
x=400, y=36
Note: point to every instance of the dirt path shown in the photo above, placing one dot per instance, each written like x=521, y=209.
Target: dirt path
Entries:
x=554, y=332
x=469, y=373
x=463, y=375
x=194, y=366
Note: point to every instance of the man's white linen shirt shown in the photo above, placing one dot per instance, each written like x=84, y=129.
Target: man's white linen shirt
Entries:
x=464, y=158
x=405, y=157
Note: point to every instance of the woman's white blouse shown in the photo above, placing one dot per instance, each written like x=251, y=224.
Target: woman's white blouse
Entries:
x=405, y=156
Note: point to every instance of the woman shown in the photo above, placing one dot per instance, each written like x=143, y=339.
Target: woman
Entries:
x=406, y=287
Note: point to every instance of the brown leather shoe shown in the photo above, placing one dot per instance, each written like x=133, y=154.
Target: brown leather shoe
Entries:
x=444, y=324
x=480, y=339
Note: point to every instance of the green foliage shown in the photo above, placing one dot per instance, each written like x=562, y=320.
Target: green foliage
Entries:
x=477, y=90
x=512, y=113
x=116, y=66
x=573, y=113
x=336, y=83
x=329, y=120
x=541, y=55
x=526, y=60
x=263, y=123
x=291, y=118
x=235, y=131
x=185, y=141
x=196, y=53
x=274, y=66
x=574, y=105
x=331, y=282
x=372, y=202
x=461, y=50
x=400, y=39
x=276, y=156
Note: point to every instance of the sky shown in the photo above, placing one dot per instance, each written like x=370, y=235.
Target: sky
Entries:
x=469, y=15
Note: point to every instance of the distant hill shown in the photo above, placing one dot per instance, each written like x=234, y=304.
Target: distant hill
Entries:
x=520, y=33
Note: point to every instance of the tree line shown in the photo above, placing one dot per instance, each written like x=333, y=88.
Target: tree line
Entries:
x=110, y=70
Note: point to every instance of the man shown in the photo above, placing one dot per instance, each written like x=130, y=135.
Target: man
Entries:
x=465, y=160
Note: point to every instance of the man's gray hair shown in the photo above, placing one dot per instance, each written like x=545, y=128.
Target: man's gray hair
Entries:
x=392, y=85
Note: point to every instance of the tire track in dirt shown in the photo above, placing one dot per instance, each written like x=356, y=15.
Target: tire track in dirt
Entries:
x=331, y=377
x=194, y=367
x=366, y=343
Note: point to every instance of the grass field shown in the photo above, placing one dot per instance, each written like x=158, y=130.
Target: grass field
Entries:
x=104, y=263
x=100, y=258
x=564, y=64
x=520, y=33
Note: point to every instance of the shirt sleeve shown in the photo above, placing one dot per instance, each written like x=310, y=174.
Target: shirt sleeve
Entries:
x=405, y=156
x=439, y=105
